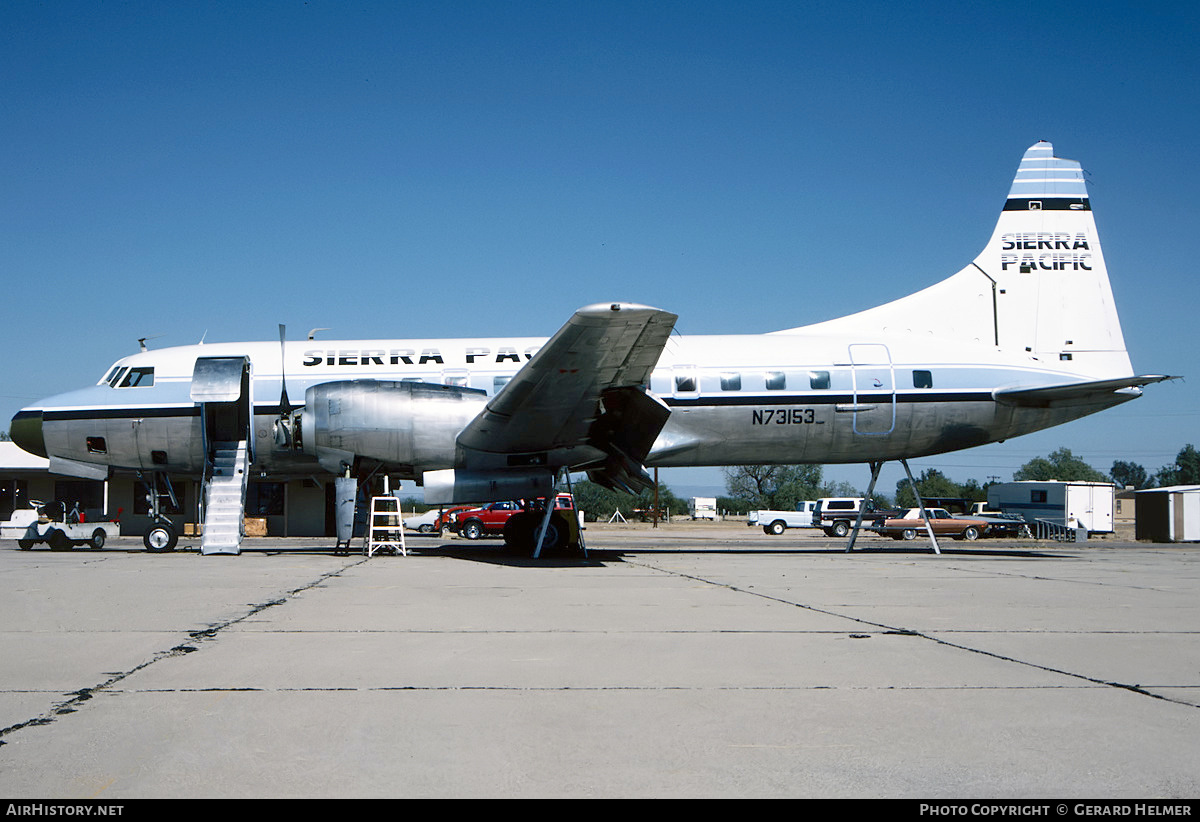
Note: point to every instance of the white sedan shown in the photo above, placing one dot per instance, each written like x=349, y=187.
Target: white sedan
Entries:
x=425, y=523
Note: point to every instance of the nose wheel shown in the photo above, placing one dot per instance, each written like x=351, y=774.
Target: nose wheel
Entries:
x=160, y=538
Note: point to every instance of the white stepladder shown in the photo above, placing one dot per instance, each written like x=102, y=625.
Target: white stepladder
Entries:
x=385, y=528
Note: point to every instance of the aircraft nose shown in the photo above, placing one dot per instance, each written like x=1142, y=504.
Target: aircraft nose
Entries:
x=26, y=431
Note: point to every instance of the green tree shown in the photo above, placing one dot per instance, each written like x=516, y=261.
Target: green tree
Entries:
x=931, y=483
x=733, y=505
x=841, y=488
x=1129, y=473
x=1060, y=465
x=1184, y=471
x=972, y=490
x=773, y=487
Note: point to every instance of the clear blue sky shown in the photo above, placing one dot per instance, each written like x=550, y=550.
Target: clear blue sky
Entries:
x=443, y=169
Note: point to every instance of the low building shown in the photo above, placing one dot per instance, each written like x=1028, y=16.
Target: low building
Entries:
x=295, y=508
x=1170, y=514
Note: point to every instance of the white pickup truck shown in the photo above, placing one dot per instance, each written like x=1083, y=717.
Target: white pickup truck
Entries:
x=776, y=522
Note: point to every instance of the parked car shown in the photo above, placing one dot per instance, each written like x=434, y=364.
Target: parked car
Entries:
x=911, y=524
x=425, y=523
x=489, y=520
x=837, y=515
x=486, y=520
x=447, y=521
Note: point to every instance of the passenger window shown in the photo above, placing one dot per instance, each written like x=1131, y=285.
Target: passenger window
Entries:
x=818, y=379
x=498, y=383
x=731, y=381
x=776, y=380
x=922, y=379
x=138, y=378
x=686, y=382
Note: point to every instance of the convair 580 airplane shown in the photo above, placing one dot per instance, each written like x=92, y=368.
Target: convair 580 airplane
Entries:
x=1023, y=338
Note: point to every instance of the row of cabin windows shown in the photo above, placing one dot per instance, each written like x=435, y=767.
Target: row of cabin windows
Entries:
x=730, y=380
x=777, y=380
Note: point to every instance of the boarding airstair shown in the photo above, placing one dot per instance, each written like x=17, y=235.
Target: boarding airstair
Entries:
x=225, y=499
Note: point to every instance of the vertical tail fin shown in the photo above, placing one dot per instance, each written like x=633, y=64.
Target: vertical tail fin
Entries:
x=1038, y=290
x=1054, y=300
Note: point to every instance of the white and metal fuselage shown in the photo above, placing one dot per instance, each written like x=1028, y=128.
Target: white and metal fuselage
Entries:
x=734, y=399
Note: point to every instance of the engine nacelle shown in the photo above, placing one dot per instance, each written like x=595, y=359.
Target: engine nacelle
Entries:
x=399, y=423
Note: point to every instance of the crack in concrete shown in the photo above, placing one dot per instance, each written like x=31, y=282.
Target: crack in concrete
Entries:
x=78, y=698
x=888, y=629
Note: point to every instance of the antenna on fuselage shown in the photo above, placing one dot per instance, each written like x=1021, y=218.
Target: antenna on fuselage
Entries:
x=312, y=335
x=142, y=341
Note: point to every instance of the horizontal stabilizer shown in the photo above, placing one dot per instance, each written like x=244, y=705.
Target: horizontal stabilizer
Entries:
x=1076, y=393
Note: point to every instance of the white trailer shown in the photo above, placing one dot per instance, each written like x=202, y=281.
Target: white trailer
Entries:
x=703, y=508
x=1086, y=505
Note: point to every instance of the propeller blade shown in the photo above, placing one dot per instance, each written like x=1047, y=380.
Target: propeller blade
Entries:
x=283, y=433
x=284, y=405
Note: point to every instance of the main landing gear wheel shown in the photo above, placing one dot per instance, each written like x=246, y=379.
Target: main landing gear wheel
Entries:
x=522, y=529
x=160, y=538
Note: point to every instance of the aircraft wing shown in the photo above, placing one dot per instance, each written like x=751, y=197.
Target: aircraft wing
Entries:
x=580, y=388
x=1078, y=393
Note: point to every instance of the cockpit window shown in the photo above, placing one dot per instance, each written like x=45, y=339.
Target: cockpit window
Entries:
x=107, y=379
x=138, y=378
x=114, y=376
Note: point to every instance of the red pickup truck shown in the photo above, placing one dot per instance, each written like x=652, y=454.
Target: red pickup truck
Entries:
x=489, y=520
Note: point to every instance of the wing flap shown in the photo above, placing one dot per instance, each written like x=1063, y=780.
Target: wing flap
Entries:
x=553, y=401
